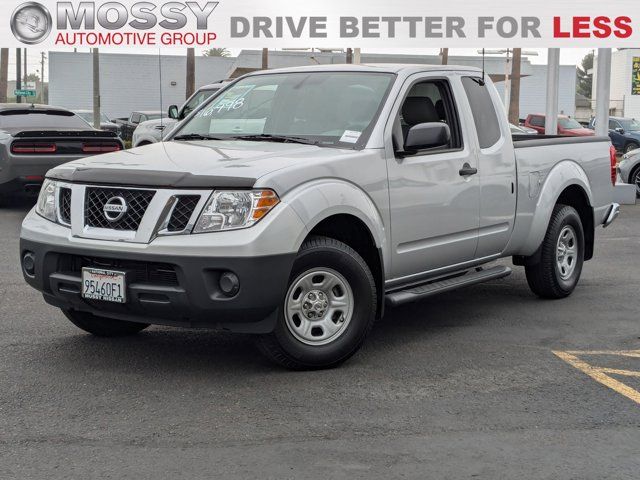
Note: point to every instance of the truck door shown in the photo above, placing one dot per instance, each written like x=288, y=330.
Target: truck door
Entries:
x=434, y=194
x=496, y=167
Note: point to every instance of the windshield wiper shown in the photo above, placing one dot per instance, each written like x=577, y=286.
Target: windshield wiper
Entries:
x=276, y=138
x=198, y=136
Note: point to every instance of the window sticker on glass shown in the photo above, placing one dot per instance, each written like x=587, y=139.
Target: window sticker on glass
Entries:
x=350, y=136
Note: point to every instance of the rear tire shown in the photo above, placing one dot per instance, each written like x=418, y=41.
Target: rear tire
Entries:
x=629, y=147
x=101, y=326
x=634, y=179
x=561, y=256
x=329, y=309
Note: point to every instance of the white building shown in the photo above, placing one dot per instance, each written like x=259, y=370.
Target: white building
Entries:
x=133, y=82
x=624, y=101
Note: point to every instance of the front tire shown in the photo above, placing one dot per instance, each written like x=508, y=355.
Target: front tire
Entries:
x=561, y=256
x=101, y=326
x=329, y=308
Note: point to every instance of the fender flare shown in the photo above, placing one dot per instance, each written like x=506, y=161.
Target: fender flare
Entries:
x=563, y=175
x=323, y=198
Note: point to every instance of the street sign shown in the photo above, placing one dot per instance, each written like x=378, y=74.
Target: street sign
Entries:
x=24, y=93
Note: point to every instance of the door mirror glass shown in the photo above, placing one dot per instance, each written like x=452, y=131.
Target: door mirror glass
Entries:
x=428, y=135
x=620, y=130
x=174, y=112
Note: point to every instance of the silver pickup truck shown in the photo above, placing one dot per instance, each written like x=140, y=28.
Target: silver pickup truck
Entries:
x=298, y=203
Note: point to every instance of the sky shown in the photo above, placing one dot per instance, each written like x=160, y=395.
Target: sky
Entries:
x=568, y=56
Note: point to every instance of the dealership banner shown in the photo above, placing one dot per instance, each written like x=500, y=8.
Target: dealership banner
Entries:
x=321, y=24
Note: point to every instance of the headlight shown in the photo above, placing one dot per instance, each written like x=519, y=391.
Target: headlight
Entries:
x=232, y=210
x=46, y=206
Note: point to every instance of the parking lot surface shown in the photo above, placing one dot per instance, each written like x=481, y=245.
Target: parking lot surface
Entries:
x=485, y=382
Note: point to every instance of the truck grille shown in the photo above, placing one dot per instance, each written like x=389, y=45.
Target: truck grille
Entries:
x=137, y=202
x=185, y=206
x=65, y=205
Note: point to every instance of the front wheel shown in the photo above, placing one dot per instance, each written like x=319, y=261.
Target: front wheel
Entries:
x=562, y=256
x=101, y=326
x=329, y=308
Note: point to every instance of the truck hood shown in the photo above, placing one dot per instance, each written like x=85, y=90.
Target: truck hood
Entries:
x=579, y=132
x=201, y=164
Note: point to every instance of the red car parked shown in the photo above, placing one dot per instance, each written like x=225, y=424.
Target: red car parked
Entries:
x=566, y=126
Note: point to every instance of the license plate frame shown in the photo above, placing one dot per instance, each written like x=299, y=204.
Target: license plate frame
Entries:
x=108, y=285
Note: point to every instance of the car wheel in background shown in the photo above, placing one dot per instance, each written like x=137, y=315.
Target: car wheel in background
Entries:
x=629, y=147
x=634, y=179
x=561, y=256
x=101, y=326
x=329, y=308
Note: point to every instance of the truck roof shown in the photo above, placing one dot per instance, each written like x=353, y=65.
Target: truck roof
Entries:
x=373, y=67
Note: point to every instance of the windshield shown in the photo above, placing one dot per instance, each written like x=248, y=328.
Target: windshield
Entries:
x=631, y=125
x=568, y=123
x=198, y=99
x=324, y=108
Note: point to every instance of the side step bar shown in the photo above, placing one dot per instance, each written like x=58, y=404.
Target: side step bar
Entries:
x=420, y=292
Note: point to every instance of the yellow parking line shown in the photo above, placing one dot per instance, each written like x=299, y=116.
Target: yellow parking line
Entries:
x=623, y=353
x=615, y=371
x=598, y=374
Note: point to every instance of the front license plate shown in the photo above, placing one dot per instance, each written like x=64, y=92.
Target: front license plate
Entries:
x=104, y=285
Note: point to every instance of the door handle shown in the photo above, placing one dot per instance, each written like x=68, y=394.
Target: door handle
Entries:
x=467, y=171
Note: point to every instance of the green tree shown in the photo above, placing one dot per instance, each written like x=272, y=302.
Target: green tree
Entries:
x=217, y=52
x=585, y=80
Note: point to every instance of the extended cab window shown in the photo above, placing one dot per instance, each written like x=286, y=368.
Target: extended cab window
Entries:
x=537, y=121
x=484, y=112
x=429, y=102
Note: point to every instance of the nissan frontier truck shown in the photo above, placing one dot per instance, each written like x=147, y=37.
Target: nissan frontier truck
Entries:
x=298, y=204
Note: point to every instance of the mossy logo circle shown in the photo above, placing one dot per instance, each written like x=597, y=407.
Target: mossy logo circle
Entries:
x=31, y=23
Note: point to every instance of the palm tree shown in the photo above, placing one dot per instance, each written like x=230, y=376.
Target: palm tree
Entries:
x=217, y=52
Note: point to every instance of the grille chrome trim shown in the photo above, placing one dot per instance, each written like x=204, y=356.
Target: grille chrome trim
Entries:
x=153, y=224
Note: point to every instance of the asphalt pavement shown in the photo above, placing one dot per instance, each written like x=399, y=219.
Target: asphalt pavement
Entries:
x=477, y=383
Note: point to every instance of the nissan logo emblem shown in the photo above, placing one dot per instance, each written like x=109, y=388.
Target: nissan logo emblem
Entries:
x=115, y=209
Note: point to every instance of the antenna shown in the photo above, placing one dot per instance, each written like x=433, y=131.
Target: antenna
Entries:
x=161, y=99
x=483, y=79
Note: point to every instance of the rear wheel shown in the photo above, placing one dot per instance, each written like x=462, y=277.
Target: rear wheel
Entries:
x=562, y=256
x=101, y=326
x=629, y=147
x=329, y=308
x=634, y=179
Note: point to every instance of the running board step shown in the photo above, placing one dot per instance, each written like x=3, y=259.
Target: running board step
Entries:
x=420, y=292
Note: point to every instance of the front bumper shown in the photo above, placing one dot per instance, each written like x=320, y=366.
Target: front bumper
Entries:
x=171, y=290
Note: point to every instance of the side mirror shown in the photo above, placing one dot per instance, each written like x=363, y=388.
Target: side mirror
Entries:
x=174, y=112
x=427, y=135
x=620, y=130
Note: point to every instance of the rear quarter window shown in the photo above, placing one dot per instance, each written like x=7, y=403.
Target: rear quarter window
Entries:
x=484, y=112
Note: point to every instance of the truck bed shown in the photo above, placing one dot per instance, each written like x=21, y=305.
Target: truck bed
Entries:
x=523, y=141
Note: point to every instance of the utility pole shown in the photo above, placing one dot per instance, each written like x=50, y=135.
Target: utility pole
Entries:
x=4, y=74
x=42, y=60
x=18, y=73
x=514, y=99
x=444, y=56
x=349, y=55
x=265, y=59
x=96, y=89
x=191, y=71
x=357, y=56
x=26, y=70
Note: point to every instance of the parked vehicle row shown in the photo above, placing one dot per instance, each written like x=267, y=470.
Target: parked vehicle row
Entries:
x=153, y=131
x=298, y=203
x=105, y=124
x=567, y=126
x=129, y=125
